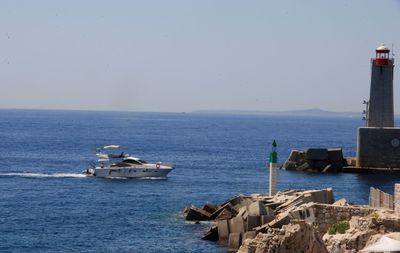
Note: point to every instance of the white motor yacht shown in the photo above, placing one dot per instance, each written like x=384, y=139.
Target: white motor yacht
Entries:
x=123, y=165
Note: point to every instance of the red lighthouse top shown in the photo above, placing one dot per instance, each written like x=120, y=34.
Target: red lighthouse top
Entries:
x=382, y=55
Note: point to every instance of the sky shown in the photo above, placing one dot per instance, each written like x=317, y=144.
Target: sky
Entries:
x=181, y=56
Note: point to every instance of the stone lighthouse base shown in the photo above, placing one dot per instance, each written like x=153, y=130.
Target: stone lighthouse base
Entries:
x=378, y=147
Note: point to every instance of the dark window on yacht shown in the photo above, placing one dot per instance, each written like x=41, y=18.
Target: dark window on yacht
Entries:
x=143, y=162
x=131, y=161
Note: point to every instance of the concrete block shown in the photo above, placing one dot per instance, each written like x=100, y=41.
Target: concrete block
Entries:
x=337, y=166
x=197, y=214
x=224, y=215
x=329, y=169
x=249, y=235
x=316, y=154
x=227, y=206
x=351, y=161
x=237, y=225
x=211, y=208
x=253, y=221
x=320, y=164
x=212, y=234
x=293, y=156
x=265, y=219
x=256, y=208
x=335, y=155
x=235, y=240
x=303, y=167
x=223, y=230
x=282, y=219
x=289, y=165
x=324, y=196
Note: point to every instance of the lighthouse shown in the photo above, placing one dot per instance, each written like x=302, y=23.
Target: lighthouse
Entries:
x=378, y=144
x=380, y=112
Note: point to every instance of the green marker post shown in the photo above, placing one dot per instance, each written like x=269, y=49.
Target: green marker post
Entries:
x=273, y=167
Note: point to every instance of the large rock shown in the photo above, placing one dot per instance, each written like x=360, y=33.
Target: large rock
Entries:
x=293, y=238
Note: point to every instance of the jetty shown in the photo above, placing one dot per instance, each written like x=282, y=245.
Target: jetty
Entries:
x=298, y=221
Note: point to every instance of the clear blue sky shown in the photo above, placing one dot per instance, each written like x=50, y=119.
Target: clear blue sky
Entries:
x=189, y=55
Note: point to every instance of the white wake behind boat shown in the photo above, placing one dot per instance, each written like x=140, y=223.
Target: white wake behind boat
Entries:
x=125, y=166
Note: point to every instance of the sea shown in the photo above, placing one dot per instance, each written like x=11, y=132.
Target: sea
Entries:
x=47, y=205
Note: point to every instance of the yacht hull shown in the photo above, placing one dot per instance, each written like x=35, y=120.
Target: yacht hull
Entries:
x=130, y=172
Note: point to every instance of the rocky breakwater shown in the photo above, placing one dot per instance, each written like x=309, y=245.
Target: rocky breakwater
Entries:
x=316, y=159
x=243, y=217
x=293, y=221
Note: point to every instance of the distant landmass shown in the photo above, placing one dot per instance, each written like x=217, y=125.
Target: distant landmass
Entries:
x=309, y=112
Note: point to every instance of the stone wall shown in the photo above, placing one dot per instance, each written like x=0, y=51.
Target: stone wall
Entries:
x=327, y=215
x=378, y=198
x=397, y=199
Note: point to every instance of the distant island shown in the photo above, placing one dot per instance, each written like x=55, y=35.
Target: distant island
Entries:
x=308, y=112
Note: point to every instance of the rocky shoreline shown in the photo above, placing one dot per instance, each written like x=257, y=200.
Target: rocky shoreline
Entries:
x=294, y=221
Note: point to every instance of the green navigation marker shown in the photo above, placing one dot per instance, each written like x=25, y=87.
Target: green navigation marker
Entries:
x=273, y=156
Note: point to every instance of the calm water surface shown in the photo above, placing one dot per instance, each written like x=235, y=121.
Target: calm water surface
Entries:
x=47, y=206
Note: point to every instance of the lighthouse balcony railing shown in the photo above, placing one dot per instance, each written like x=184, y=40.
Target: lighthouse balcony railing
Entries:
x=380, y=61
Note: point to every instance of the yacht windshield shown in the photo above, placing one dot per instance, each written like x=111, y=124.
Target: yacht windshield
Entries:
x=131, y=161
x=143, y=162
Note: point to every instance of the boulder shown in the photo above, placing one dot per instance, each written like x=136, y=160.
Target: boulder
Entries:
x=341, y=202
x=293, y=238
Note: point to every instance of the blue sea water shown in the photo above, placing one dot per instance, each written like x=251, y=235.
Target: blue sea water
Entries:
x=47, y=206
